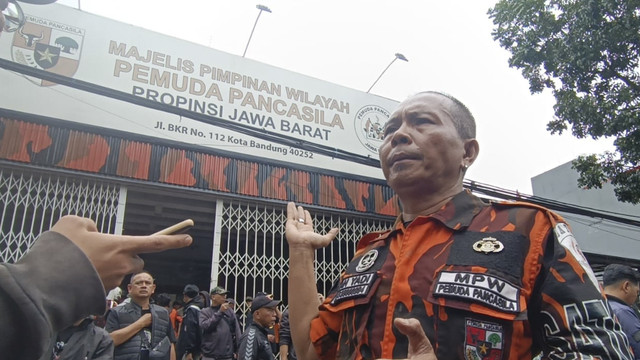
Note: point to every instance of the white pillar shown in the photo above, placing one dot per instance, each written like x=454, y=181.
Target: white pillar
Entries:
x=215, y=253
x=122, y=203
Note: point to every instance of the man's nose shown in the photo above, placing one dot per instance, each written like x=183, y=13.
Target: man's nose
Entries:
x=401, y=136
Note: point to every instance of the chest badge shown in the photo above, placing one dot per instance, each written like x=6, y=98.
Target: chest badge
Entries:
x=367, y=261
x=488, y=245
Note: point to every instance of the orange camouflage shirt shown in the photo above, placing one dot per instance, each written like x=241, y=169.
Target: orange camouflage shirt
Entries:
x=487, y=281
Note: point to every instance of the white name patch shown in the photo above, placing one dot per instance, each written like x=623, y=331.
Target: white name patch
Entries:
x=354, y=287
x=487, y=289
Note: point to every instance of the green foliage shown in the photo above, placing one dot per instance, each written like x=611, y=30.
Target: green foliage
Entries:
x=587, y=53
x=67, y=44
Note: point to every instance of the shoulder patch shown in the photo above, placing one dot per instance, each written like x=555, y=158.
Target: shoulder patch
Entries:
x=568, y=241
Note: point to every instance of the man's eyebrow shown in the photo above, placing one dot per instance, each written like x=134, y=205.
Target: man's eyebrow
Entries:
x=391, y=121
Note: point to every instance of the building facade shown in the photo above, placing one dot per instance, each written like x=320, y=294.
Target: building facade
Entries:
x=219, y=160
x=604, y=241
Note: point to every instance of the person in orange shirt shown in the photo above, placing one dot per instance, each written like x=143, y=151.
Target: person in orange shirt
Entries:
x=456, y=277
x=176, y=319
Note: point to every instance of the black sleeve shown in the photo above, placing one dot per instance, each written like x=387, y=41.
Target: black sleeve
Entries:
x=249, y=345
x=50, y=288
x=191, y=331
x=285, y=330
x=575, y=320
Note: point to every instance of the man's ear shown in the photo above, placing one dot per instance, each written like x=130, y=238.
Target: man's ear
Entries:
x=471, y=150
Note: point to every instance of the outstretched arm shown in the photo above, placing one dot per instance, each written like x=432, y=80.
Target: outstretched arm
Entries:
x=114, y=256
x=69, y=267
x=303, y=301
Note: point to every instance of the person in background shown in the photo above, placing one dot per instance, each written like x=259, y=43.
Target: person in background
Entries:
x=81, y=341
x=71, y=266
x=190, y=336
x=287, y=351
x=176, y=318
x=622, y=287
x=476, y=279
x=248, y=316
x=164, y=300
x=113, y=297
x=204, y=299
x=273, y=332
x=139, y=326
x=254, y=344
x=232, y=305
x=220, y=328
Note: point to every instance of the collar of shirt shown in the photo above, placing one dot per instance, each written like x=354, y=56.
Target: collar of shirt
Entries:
x=456, y=214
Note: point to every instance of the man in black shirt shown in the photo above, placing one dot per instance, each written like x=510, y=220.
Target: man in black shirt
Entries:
x=219, y=327
x=138, y=327
x=82, y=340
x=189, y=340
x=254, y=344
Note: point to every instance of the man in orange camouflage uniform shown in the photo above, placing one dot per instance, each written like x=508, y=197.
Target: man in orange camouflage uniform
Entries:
x=484, y=280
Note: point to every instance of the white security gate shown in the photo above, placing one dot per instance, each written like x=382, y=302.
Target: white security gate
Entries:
x=31, y=203
x=252, y=254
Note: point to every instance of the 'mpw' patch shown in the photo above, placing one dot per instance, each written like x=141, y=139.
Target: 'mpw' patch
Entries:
x=487, y=289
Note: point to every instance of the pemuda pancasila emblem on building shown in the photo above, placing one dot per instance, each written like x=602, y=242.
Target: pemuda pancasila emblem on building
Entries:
x=48, y=45
x=369, y=126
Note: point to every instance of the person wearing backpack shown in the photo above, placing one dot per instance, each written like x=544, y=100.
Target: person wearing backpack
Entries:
x=189, y=341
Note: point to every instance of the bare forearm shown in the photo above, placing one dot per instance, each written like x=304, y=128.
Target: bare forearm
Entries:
x=284, y=352
x=303, y=301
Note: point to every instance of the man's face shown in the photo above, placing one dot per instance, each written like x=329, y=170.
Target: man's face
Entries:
x=632, y=293
x=265, y=316
x=421, y=146
x=141, y=286
x=218, y=299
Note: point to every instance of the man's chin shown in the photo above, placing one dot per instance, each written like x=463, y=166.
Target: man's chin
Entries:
x=402, y=179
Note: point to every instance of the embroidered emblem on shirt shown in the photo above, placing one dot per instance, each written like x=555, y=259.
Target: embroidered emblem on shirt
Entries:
x=483, y=340
x=367, y=260
x=486, y=289
x=354, y=286
x=566, y=239
x=488, y=245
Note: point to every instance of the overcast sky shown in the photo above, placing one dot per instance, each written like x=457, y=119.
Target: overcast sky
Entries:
x=448, y=45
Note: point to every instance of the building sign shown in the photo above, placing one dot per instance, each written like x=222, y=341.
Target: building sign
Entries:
x=66, y=41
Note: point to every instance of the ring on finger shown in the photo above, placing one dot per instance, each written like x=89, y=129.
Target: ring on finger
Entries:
x=301, y=220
